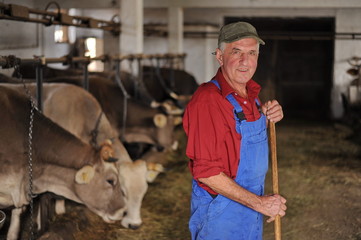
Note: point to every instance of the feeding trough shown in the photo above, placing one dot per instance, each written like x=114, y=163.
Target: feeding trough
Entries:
x=2, y=218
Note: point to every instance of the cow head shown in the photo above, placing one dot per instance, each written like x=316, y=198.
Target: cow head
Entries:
x=99, y=188
x=134, y=179
x=165, y=126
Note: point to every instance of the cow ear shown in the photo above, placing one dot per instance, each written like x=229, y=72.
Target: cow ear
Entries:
x=153, y=170
x=84, y=175
x=107, y=152
x=177, y=121
x=160, y=120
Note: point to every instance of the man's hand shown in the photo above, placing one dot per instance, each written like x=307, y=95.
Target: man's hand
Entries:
x=273, y=205
x=273, y=111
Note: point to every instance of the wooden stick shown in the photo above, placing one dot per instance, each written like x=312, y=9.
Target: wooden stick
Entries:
x=273, y=149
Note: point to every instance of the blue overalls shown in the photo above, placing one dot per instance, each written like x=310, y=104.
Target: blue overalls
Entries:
x=224, y=219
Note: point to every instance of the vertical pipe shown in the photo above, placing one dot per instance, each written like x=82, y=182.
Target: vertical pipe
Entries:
x=86, y=76
x=139, y=78
x=125, y=98
x=39, y=85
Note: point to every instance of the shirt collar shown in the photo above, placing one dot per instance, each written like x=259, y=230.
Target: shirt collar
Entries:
x=253, y=88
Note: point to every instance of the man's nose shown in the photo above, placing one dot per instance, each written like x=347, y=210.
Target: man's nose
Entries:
x=243, y=57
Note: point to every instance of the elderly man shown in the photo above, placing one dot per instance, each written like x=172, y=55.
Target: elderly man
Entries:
x=226, y=125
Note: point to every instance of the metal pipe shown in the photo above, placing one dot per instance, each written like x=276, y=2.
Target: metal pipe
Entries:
x=4, y=60
x=86, y=77
x=125, y=98
x=39, y=86
x=54, y=18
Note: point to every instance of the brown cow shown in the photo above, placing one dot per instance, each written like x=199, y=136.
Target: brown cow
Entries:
x=143, y=124
x=62, y=164
x=79, y=112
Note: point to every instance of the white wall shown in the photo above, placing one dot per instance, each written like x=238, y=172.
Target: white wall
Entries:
x=347, y=20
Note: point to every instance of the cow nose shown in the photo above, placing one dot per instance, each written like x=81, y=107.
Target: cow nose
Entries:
x=160, y=148
x=133, y=226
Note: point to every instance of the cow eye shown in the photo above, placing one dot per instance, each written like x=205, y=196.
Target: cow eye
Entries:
x=111, y=181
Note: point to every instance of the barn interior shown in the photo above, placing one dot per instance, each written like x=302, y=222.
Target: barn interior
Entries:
x=311, y=63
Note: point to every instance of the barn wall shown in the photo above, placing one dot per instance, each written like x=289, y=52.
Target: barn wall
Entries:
x=26, y=40
x=21, y=39
x=347, y=20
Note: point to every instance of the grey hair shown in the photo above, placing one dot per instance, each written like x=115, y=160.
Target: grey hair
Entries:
x=222, y=46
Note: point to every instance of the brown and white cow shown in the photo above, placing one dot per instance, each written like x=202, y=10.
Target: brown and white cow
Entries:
x=62, y=164
x=143, y=124
x=148, y=93
x=165, y=84
x=77, y=111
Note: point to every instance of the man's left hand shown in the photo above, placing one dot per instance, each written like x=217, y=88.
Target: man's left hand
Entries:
x=273, y=111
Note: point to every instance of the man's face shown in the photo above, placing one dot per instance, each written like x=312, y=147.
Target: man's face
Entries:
x=239, y=60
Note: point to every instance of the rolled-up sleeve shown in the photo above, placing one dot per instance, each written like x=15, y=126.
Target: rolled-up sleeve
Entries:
x=204, y=127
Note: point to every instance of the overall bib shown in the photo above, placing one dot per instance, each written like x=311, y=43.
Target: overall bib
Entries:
x=220, y=217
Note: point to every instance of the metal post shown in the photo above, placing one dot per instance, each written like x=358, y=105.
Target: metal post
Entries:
x=172, y=81
x=39, y=85
x=86, y=76
x=125, y=98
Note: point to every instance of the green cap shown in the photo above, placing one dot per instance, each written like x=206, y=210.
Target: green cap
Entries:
x=238, y=30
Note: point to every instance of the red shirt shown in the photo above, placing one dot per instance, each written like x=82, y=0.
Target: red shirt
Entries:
x=213, y=144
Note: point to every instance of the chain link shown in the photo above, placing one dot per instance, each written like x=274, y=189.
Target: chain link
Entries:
x=31, y=196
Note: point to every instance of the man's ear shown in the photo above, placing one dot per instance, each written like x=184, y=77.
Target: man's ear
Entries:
x=219, y=56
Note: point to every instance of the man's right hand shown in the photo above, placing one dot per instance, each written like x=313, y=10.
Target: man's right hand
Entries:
x=273, y=205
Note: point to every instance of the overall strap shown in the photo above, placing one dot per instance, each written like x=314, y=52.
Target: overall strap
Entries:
x=258, y=106
x=237, y=109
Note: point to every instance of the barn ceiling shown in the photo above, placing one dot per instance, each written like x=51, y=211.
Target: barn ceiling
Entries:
x=209, y=3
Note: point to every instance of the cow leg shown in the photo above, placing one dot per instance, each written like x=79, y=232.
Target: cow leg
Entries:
x=14, y=228
x=59, y=206
x=46, y=211
x=38, y=219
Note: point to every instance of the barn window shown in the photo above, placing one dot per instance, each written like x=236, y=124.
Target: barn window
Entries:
x=61, y=34
x=94, y=48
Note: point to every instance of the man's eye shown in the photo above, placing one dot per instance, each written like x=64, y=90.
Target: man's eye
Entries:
x=236, y=52
x=253, y=53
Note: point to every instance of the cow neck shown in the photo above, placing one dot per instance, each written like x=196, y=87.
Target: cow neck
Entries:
x=56, y=179
x=53, y=144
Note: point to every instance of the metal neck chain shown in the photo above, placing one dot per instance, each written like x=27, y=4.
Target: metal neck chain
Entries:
x=95, y=131
x=30, y=151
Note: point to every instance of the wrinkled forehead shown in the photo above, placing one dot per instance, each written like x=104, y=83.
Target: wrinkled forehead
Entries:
x=243, y=44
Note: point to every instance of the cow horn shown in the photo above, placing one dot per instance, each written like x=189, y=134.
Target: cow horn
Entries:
x=154, y=104
x=84, y=175
x=174, y=95
x=108, y=141
x=171, y=109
